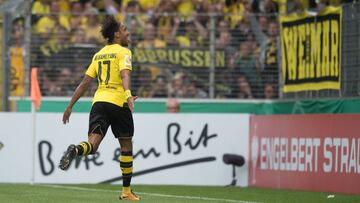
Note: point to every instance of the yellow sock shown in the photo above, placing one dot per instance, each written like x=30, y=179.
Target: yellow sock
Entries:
x=84, y=148
x=126, y=189
x=126, y=165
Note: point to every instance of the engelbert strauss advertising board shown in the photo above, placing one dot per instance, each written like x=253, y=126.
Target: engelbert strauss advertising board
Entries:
x=177, y=149
x=308, y=152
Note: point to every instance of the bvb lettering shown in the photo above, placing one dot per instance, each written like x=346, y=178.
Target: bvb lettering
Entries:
x=184, y=57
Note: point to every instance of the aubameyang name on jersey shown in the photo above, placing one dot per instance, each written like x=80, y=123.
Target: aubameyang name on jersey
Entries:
x=105, y=56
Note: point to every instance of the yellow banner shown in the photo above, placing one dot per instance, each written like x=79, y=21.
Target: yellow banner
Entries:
x=311, y=50
x=184, y=57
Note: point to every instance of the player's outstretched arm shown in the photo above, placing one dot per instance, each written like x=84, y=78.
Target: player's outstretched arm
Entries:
x=79, y=91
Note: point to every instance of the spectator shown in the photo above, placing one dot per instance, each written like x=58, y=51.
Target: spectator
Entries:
x=143, y=83
x=264, y=6
x=293, y=6
x=192, y=35
x=247, y=64
x=176, y=89
x=47, y=24
x=77, y=18
x=17, y=63
x=50, y=86
x=89, y=7
x=78, y=69
x=66, y=82
x=224, y=40
x=234, y=11
x=149, y=5
x=39, y=9
x=110, y=7
x=58, y=41
x=92, y=28
x=150, y=39
x=193, y=91
x=222, y=80
x=269, y=91
x=172, y=105
x=162, y=21
x=185, y=7
x=243, y=89
x=263, y=24
x=242, y=30
x=133, y=11
x=136, y=30
x=269, y=43
x=202, y=8
x=78, y=37
x=159, y=88
x=271, y=70
x=65, y=6
x=216, y=7
x=223, y=26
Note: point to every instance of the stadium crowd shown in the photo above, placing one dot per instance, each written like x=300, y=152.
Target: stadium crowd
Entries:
x=65, y=33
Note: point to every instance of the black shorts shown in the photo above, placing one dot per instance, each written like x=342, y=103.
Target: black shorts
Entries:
x=104, y=114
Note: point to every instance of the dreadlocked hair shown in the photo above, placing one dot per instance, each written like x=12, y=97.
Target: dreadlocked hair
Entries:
x=109, y=27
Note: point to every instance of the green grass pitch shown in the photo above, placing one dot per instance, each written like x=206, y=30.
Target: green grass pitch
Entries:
x=45, y=193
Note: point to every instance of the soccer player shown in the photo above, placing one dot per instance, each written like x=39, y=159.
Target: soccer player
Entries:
x=113, y=103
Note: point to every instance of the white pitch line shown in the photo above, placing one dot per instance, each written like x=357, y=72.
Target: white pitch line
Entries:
x=148, y=194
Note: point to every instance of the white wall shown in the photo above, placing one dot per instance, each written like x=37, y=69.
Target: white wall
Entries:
x=15, y=154
x=226, y=133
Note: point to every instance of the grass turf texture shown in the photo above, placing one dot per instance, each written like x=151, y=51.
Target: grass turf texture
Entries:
x=109, y=193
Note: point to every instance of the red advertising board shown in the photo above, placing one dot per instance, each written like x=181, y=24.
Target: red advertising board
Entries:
x=308, y=152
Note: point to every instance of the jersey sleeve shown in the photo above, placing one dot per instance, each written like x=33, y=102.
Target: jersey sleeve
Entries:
x=124, y=58
x=91, y=71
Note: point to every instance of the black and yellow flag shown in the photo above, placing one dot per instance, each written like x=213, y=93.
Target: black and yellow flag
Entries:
x=311, y=50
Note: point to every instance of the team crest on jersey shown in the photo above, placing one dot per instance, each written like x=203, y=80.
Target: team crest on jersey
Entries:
x=127, y=60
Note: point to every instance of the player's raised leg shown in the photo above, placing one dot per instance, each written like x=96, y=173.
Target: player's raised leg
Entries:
x=83, y=149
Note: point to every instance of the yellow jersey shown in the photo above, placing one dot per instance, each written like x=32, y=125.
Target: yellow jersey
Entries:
x=106, y=66
x=17, y=71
